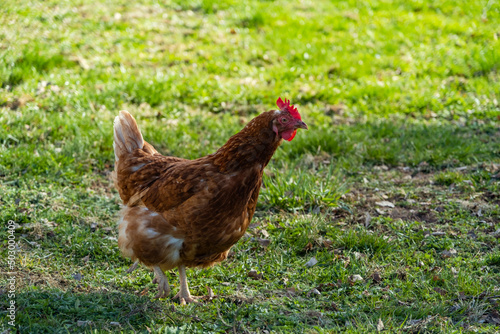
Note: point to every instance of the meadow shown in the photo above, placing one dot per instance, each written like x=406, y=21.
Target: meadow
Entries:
x=384, y=216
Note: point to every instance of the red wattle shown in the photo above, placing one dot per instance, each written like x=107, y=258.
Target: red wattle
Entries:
x=288, y=135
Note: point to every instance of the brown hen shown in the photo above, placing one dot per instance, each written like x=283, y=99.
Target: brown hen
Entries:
x=188, y=213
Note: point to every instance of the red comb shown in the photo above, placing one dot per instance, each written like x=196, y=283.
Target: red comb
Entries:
x=290, y=108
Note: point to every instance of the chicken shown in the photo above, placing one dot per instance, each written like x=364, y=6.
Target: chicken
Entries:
x=189, y=213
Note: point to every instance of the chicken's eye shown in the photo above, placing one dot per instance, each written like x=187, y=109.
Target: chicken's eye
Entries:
x=284, y=120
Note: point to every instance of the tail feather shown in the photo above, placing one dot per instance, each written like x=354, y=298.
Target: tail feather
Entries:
x=127, y=136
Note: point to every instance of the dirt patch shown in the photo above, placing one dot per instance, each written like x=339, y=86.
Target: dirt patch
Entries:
x=491, y=197
x=17, y=102
x=421, y=215
x=52, y=280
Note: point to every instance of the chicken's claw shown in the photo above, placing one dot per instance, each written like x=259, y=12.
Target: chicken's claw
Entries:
x=186, y=299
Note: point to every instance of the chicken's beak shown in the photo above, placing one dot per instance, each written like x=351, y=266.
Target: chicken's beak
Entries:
x=301, y=125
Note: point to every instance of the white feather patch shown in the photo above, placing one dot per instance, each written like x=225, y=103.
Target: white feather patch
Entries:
x=151, y=233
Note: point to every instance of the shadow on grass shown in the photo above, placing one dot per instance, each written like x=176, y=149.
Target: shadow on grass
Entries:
x=55, y=311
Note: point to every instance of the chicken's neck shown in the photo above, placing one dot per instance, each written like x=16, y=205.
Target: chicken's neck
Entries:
x=252, y=147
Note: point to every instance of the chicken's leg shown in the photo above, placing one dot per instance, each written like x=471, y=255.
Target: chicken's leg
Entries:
x=184, y=295
x=163, y=287
x=133, y=267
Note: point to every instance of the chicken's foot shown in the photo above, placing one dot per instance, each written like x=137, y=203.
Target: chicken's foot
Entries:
x=184, y=295
x=161, y=278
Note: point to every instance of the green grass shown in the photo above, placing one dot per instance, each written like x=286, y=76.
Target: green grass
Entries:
x=402, y=99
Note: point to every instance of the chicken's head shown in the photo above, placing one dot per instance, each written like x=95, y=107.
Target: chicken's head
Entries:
x=287, y=120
